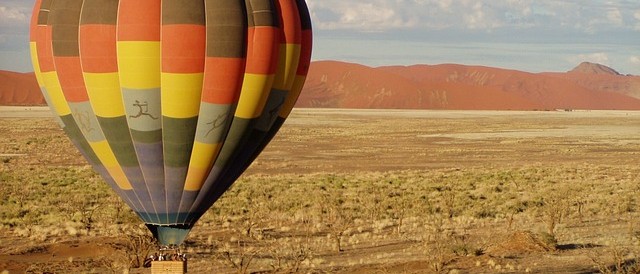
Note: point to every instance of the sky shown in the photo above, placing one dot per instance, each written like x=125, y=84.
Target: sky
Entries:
x=528, y=35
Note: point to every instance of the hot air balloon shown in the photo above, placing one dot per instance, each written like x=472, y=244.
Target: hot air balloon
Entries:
x=170, y=101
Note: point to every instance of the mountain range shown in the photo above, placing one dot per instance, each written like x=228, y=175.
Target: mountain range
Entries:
x=334, y=84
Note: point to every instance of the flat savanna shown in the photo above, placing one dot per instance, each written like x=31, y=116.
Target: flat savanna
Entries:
x=354, y=191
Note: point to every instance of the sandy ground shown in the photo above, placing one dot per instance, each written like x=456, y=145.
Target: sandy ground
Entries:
x=326, y=141
x=330, y=140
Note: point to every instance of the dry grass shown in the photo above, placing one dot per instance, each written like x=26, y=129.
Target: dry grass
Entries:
x=360, y=192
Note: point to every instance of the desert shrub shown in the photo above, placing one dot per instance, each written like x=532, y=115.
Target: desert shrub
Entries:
x=137, y=245
x=437, y=242
x=336, y=216
x=238, y=255
x=554, y=208
x=615, y=260
x=289, y=254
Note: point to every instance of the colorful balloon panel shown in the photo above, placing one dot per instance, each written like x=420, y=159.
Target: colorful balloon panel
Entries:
x=170, y=101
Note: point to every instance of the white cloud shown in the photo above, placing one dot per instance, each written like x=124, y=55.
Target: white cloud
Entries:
x=477, y=18
x=634, y=60
x=13, y=15
x=615, y=16
x=374, y=15
x=359, y=15
x=445, y=4
x=636, y=15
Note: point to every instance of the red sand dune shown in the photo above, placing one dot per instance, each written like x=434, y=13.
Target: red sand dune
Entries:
x=19, y=89
x=333, y=84
x=448, y=86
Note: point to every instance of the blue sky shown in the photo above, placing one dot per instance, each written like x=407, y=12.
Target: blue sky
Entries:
x=529, y=35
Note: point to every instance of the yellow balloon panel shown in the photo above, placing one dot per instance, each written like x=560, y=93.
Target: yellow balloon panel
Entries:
x=139, y=64
x=104, y=94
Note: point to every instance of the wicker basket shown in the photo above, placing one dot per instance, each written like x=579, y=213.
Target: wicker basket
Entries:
x=168, y=267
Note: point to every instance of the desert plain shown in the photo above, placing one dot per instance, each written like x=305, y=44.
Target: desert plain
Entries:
x=354, y=191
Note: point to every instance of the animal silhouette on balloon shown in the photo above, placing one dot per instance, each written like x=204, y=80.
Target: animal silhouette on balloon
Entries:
x=180, y=95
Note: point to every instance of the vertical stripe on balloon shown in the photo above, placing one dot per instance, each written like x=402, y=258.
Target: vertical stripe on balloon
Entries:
x=260, y=67
x=183, y=59
x=66, y=56
x=65, y=22
x=138, y=59
x=37, y=31
x=259, y=138
x=289, y=56
x=306, y=44
x=225, y=59
x=47, y=76
x=98, y=57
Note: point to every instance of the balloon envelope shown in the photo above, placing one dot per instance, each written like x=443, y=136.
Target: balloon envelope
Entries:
x=170, y=101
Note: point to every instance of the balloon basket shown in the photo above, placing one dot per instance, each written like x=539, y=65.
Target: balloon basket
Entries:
x=169, y=260
x=168, y=267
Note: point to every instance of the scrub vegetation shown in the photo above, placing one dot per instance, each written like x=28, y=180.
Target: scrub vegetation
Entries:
x=356, y=192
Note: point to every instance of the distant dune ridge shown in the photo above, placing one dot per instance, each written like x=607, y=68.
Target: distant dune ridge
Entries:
x=19, y=89
x=333, y=84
